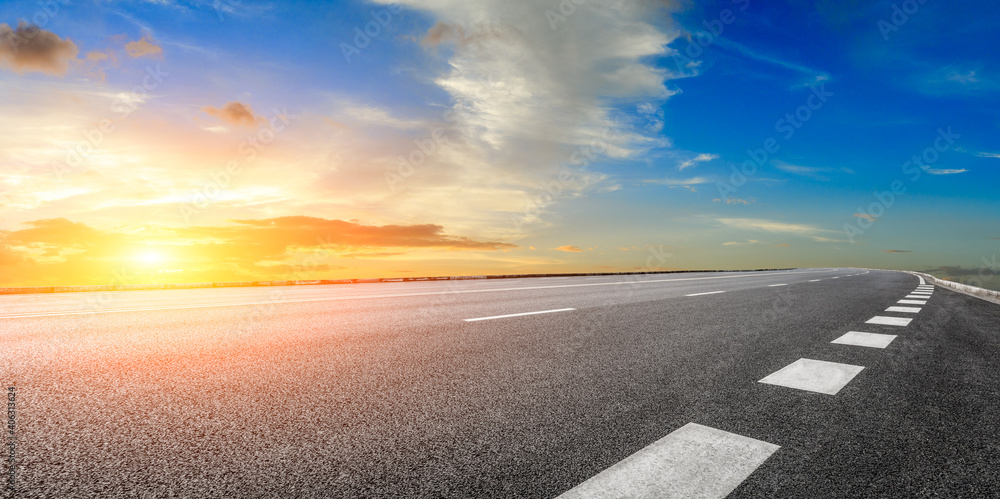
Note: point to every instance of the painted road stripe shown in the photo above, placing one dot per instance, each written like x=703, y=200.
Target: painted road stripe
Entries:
x=518, y=315
x=708, y=293
x=913, y=302
x=925, y=287
x=917, y=297
x=815, y=280
x=817, y=376
x=393, y=295
x=693, y=461
x=889, y=321
x=773, y=285
x=860, y=339
x=838, y=277
x=921, y=280
x=909, y=310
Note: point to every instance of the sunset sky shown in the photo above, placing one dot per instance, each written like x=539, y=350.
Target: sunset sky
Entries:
x=230, y=140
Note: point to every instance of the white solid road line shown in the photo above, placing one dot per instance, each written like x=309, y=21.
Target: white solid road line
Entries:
x=817, y=376
x=857, y=338
x=694, y=461
x=917, y=297
x=518, y=315
x=912, y=302
x=708, y=293
x=889, y=321
x=815, y=280
x=908, y=310
x=773, y=285
x=921, y=280
x=396, y=295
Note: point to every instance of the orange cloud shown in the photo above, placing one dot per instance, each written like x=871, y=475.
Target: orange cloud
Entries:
x=234, y=113
x=782, y=245
x=571, y=249
x=30, y=48
x=866, y=216
x=144, y=47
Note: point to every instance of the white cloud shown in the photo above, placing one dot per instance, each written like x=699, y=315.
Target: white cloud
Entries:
x=936, y=171
x=676, y=181
x=527, y=96
x=697, y=159
x=988, y=155
x=760, y=224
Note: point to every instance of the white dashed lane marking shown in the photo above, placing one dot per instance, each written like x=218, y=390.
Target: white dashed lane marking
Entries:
x=817, y=376
x=815, y=280
x=693, y=461
x=773, y=285
x=912, y=302
x=518, y=315
x=708, y=293
x=889, y=321
x=908, y=310
x=860, y=339
x=917, y=297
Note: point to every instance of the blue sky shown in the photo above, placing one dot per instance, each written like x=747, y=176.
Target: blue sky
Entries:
x=661, y=111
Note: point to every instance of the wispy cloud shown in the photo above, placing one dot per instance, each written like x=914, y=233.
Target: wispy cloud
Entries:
x=936, y=171
x=759, y=224
x=748, y=53
x=735, y=201
x=569, y=248
x=678, y=181
x=897, y=251
x=734, y=243
x=809, y=171
x=988, y=155
x=695, y=160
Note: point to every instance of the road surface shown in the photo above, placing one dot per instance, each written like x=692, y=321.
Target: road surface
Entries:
x=803, y=383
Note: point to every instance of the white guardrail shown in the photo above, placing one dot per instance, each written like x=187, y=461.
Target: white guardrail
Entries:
x=985, y=294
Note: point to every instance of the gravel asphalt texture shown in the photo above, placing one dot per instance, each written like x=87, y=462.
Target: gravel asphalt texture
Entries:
x=359, y=393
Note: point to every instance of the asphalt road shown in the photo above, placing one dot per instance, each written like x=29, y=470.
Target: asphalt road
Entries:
x=389, y=390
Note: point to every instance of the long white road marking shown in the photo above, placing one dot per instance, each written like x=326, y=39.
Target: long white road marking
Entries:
x=396, y=295
x=814, y=375
x=693, y=461
x=860, y=339
x=913, y=302
x=775, y=285
x=917, y=297
x=838, y=277
x=921, y=280
x=815, y=280
x=908, y=310
x=922, y=293
x=708, y=293
x=518, y=315
x=889, y=321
